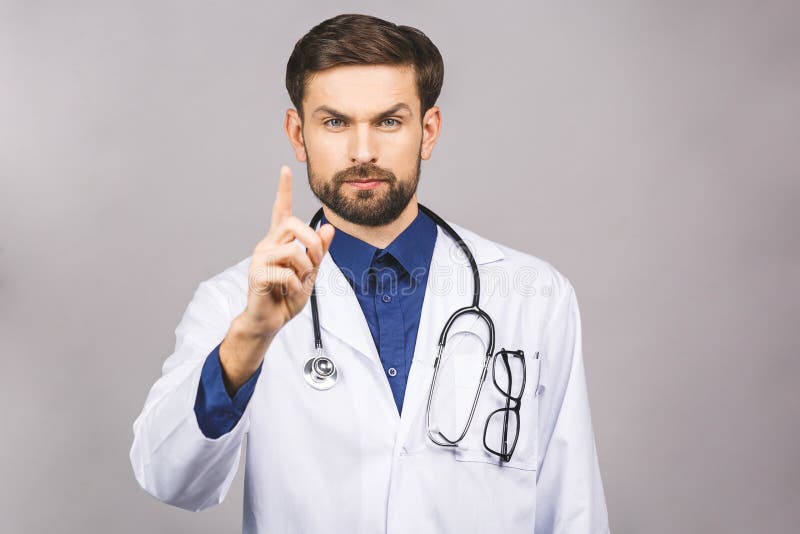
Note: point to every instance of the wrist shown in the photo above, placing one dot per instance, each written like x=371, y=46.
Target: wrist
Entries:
x=247, y=329
x=241, y=352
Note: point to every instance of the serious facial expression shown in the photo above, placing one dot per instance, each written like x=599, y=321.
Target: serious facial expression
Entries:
x=362, y=133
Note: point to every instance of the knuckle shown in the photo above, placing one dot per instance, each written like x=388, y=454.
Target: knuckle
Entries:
x=265, y=279
x=259, y=281
x=265, y=243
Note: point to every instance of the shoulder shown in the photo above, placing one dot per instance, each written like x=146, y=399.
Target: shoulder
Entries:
x=519, y=280
x=525, y=267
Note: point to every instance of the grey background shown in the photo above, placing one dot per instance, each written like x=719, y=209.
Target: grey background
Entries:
x=647, y=149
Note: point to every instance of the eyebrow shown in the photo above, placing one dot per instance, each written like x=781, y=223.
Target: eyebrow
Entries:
x=339, y=115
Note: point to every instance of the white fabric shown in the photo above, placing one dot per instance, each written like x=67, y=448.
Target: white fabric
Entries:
x=342, y=460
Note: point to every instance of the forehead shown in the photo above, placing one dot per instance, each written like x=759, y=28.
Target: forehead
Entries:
x=361, y=89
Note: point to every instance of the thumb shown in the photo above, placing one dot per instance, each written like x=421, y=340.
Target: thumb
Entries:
x=326, y=233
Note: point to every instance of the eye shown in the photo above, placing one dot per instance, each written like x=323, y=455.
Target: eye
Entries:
x=334, y=123
x=390, y=123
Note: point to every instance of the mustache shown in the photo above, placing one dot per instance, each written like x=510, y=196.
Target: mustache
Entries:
x=364, y=171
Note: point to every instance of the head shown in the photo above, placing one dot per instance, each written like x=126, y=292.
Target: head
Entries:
x=364, y=92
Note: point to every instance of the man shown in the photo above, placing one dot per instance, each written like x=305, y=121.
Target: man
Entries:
x=370, y=453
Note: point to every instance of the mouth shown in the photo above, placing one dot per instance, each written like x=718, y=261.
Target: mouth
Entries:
x=365, y=184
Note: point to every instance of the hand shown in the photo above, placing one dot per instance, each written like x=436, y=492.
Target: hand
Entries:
x=281, y=274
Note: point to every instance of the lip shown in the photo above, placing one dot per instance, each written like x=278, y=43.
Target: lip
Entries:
x=365, y=184
x=366, y=180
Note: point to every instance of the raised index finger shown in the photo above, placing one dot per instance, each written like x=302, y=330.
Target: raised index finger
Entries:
x=282, y=209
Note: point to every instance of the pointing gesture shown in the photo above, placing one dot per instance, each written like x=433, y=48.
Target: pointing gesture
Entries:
x=282, y=209
x=281, y=274
x=280, y=279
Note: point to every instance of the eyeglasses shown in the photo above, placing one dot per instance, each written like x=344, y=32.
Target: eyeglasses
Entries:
x=501, y=431
x=504, y=422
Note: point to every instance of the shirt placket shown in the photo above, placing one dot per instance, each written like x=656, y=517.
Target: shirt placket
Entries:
x=391, y=327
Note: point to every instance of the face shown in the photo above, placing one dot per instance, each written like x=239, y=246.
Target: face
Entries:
x=362, y=139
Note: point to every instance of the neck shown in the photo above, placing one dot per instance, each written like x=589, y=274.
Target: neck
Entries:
x=377, y=236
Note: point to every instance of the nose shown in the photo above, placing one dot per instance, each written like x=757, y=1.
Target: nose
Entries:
x=363, y=147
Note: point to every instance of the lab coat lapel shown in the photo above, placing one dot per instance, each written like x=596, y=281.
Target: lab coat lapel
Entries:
x=340, y=314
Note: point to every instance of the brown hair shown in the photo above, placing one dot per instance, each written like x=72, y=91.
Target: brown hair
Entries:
x=351, y=39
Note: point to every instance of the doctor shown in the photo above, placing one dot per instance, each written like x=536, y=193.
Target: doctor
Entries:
x=360, y=454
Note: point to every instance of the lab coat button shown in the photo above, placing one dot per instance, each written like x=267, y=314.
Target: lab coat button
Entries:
x=392, y=371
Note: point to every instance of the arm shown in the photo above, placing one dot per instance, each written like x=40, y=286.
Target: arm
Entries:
x=569, y=488
x=171, y=457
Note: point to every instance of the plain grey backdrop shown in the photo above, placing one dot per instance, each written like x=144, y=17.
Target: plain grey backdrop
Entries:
x=648, y=149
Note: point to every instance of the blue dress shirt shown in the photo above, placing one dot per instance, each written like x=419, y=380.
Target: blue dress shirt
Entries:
x=217, y=412
x=390, y=286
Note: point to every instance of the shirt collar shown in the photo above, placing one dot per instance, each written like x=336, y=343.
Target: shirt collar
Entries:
x=413, y=249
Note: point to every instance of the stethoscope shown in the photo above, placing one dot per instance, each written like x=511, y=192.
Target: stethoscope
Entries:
x=321, y=372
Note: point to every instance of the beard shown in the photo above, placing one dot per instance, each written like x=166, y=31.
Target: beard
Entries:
x=369, y=207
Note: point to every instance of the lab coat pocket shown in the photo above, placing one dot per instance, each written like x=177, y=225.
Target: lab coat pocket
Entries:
x=468, y=370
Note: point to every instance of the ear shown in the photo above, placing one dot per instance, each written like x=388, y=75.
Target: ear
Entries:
x=294, y=131
x=431, y=126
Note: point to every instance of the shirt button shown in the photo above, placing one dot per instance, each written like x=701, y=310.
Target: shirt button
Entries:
x=386, y=298
x=392, y=371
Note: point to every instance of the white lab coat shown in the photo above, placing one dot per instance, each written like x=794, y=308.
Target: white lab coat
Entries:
x=342, y=460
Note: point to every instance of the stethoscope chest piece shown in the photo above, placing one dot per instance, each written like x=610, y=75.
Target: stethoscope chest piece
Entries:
x=320, y=372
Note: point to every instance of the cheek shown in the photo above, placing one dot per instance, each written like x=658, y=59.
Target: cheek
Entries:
x=403, y=146
x=326, y=150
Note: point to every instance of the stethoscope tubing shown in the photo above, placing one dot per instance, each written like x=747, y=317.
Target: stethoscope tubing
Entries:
x=474, y=308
